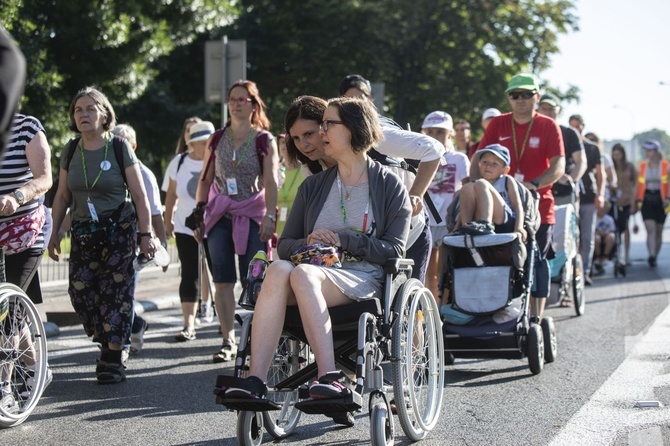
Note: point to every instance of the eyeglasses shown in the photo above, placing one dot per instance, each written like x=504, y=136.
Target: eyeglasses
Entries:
x=239, y=101
x=514, y=95
x=324, y=125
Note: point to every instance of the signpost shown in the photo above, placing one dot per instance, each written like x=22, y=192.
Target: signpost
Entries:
x=225, y=63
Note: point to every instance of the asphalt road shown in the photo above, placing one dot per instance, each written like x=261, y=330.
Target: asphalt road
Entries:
x=608, y=360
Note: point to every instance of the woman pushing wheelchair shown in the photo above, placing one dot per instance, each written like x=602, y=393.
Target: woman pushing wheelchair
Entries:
x=358, y=211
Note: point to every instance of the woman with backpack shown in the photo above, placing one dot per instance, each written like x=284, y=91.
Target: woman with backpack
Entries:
x=96, y=172
x=238, y=191
x=183, y=174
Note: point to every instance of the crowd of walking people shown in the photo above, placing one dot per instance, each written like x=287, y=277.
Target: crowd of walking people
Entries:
x=338, y=178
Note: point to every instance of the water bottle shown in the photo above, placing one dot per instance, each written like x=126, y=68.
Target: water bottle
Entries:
x=255, y=275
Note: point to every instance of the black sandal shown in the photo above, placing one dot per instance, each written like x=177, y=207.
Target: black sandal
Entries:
x=111, y=373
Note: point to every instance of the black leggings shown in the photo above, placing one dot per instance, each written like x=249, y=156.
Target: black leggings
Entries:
x=187, y=247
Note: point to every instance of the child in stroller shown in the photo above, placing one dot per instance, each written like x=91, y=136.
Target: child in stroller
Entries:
x=605, y=239
x=491, y=204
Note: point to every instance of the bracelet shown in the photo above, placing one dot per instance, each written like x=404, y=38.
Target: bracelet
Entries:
x=201, y=204
x=271, y=217
x=145, y=234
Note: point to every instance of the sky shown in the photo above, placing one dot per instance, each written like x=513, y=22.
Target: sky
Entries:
x=618, y=59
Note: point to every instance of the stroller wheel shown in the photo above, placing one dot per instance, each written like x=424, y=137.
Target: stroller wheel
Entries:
x=578, y=285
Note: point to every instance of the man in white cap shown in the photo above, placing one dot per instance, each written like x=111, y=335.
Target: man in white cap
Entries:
x=448, y=179
x=537, y=160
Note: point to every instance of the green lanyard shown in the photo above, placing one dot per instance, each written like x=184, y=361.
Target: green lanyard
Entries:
x=523, y=146
x=83, y=163
x=251, y=132
x=344, y=211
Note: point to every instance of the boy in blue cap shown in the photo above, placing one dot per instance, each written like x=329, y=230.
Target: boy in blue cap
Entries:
x=491, y=203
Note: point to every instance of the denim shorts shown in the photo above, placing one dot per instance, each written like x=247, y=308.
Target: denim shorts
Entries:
x=221, y=251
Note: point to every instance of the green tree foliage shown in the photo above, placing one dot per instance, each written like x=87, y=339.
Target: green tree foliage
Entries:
x=119, y=46
x=430, y=54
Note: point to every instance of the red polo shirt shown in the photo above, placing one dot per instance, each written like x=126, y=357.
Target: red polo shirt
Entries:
x=544, y=142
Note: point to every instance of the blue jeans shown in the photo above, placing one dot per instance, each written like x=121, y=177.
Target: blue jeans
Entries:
x=221, y=251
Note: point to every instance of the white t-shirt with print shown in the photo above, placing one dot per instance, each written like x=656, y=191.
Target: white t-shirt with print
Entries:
x=186, y=180
x=447, y=181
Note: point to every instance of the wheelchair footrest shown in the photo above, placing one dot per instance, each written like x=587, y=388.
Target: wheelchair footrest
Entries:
x=326, y=406
x=248, y=404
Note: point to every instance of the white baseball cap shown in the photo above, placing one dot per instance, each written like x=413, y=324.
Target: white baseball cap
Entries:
x=490, y=113
x=438, y=119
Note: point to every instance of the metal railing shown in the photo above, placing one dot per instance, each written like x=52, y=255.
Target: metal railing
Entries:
x=52, y=271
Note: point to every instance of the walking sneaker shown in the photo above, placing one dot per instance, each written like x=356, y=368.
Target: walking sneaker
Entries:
x=30, y=382
x=187, y=334
x=206, y=312
x=137, y=339
x=329, y=386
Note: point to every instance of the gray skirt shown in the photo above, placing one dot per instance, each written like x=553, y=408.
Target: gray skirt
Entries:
x=357, y=280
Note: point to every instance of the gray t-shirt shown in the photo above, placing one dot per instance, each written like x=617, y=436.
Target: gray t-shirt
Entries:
x=109, y=191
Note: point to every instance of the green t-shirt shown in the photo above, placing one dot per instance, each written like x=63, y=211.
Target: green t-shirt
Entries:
x=108, y=192
x=286, y=195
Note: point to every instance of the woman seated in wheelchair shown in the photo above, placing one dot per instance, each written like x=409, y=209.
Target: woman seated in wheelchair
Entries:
x=492, y=203
x=357, y=210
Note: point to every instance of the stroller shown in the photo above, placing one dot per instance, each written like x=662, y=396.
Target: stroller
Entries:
x=617, y=255
x=489, y=279
x=566, y=268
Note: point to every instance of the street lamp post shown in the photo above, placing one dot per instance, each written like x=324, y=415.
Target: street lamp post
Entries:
x=633, y=149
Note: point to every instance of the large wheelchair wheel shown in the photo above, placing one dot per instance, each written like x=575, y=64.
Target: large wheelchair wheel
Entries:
x=417, y=359
x=23, y=356
x=578, y=285
x=290, y=357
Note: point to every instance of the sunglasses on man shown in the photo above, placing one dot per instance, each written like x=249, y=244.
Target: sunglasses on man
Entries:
x=526, y=94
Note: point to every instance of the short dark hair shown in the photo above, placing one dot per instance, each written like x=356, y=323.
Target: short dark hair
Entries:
x=462, y=121
x=577, y=118
x=361, y=118
x=101, y=101
x=309, y=108
x=356, y=81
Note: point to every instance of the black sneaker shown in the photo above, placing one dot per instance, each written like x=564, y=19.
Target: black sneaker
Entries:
x=112, y=374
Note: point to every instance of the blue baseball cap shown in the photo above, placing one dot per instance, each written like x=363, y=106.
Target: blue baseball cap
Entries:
x=498, y=150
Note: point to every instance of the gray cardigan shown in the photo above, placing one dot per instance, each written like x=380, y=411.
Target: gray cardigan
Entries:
x=390, y=205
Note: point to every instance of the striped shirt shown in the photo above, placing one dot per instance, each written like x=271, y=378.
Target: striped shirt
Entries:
x=14, y=168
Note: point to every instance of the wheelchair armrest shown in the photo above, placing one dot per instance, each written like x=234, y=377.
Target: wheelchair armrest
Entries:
x=395, y=266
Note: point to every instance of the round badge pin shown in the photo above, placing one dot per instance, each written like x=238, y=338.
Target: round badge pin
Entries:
x=105, y=165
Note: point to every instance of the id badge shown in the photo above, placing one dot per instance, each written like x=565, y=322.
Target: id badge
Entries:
x=283, y=211
x=91, y=210
x=519, y=177
x=231, y=184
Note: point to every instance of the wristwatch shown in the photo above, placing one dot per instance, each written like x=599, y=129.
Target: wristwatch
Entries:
x=271, y=217
x=20, y=198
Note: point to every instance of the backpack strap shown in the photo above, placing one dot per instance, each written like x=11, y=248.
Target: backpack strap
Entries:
x=214, y=141
x=182, y=157
x=262, y=146
x=117, y=145
x=71, y=147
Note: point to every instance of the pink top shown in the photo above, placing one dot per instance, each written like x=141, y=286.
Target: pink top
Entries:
x=242, y=211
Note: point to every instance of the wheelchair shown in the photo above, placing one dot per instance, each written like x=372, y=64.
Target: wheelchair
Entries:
x=22, y=341
x=402, y=329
